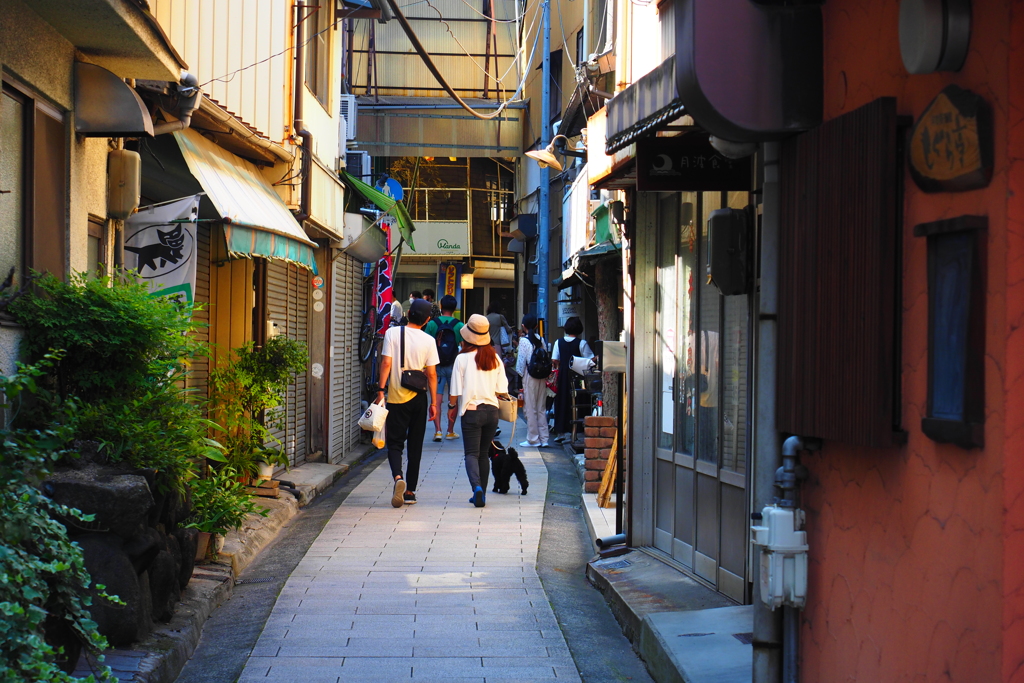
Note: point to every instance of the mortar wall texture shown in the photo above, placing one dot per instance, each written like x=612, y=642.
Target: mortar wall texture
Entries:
x=917, y=552
x=34, y=55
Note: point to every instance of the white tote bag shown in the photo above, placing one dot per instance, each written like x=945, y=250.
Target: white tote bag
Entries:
x=374, y=417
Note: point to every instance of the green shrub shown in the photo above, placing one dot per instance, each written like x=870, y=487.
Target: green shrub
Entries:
x=220, y=502
x=42, y=574
x=157, y=426
x=116, y=336
x=247, y=397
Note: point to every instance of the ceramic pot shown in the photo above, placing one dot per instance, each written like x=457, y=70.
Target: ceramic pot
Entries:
x=202, y=545
x=266, y=471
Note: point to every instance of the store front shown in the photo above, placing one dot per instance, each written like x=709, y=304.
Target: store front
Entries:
x=701, y=352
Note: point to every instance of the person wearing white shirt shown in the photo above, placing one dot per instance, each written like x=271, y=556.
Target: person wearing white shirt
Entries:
x=478, y=376
x=535, y=389
x=567, y=347
x=408, y=347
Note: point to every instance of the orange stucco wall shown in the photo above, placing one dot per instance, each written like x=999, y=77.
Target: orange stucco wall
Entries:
x=917, y=553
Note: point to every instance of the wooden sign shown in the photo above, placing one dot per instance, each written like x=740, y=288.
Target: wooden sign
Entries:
x=951, y=144
x=688, y=163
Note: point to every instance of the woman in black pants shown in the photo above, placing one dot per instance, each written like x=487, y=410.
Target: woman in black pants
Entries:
x=477, y=378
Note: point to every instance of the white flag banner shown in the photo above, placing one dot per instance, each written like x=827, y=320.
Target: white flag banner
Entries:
x=160, y=243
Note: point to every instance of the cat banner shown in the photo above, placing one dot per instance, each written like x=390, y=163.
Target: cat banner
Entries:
x=160, y=243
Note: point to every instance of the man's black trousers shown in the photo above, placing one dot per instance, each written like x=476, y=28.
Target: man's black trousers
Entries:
x=407, y=424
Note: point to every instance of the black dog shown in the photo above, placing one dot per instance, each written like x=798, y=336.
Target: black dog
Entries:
x=504, y=463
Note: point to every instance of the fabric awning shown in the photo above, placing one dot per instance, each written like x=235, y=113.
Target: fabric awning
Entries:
x=256, y=221
x=384, y=203
x=643, y=107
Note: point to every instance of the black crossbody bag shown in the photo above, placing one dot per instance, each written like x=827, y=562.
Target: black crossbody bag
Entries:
x=415, y=380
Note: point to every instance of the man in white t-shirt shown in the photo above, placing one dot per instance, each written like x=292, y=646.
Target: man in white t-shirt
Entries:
x=408, y=409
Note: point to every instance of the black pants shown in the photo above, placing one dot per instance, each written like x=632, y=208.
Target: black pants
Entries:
x=478, y=427
x=407, y=424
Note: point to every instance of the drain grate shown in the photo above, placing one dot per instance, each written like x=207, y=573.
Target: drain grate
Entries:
x=262, y=579
x=565, y=505
x=745, y=638
x=621, y=564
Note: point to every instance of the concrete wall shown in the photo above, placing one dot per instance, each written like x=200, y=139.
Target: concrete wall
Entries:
x=916, y=559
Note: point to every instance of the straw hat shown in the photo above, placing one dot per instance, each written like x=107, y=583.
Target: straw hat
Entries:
x=477, y=331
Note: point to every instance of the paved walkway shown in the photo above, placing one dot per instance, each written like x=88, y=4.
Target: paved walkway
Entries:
x=437, y=591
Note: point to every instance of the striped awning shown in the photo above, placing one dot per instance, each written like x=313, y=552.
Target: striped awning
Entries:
x=256, y=221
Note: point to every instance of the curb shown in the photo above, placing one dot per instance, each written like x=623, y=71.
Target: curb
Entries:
x=161, y=656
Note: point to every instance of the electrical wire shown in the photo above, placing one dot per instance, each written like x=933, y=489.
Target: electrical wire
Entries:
x=425, y=56
x=500, y=21
x=228, y=77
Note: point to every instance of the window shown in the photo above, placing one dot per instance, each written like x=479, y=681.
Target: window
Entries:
x=33, y=185
x=581, y=58
x=319, y=34
x=97, y=247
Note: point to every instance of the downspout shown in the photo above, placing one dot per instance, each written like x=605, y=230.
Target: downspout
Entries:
x=298, y=125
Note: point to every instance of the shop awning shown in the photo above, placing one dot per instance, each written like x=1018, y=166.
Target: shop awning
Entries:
x=644, y=107
x=384, y=203
x=256, y=221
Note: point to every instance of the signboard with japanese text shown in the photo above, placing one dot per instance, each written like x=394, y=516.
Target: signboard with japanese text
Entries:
x=951, y=144
x=688, y=163
x=449, y=282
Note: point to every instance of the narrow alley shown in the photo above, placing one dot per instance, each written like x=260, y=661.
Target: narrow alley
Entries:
x=440, y=590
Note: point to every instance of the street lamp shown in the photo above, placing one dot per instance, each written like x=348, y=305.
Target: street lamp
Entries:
x=546, y=157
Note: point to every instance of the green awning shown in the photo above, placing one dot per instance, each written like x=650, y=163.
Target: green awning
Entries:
x=244, y=242
x=384, y=203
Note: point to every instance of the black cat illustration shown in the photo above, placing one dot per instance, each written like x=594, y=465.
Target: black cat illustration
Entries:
x=167, y=250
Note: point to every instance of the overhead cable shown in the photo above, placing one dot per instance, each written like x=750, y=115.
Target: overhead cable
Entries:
x=429, y=62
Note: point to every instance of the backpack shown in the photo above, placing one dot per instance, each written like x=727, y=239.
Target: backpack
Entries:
x=539, y=366
x=447, y=342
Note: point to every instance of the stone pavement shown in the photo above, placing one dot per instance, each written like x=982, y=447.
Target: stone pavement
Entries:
x=437, y=591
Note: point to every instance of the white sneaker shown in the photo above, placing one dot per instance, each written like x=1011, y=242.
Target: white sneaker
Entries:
x=527, y=444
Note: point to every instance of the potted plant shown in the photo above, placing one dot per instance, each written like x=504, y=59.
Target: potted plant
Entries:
x=247, y=396
x=219, y=504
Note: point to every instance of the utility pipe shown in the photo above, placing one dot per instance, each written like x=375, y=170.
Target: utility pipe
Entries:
x=544, y=219
x=298, y=125
x=768, y=631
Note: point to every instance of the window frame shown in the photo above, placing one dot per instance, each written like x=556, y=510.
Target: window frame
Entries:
x=318, y=55
x=55, y=206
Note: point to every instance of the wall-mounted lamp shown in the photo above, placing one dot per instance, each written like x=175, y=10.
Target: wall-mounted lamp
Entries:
x=546, y=157
x=467, y=280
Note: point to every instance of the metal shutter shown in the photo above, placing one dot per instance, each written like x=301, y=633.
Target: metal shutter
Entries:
x=198, y=379
x=288, y=307
x=346, y=371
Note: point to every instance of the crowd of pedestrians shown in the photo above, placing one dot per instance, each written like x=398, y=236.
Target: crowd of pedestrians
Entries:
x=431, y=353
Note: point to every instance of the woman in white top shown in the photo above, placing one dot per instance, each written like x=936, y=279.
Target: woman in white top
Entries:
x=535, y=390
x=477, y=378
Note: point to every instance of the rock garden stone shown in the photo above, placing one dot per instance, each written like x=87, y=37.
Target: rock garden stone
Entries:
x=120, y=502
x=109, y=566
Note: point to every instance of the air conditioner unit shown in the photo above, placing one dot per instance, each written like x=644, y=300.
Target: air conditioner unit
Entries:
x=357, y=163
x=350, y=112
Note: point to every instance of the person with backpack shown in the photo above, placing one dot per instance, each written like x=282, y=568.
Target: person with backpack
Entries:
x=534, y=366
x=572, y=344
x=447, y=333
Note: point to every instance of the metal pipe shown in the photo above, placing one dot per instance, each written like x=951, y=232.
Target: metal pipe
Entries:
x=402, y=107
x=768, y=633
x=790, y=644
x=544, y=219
x=298, y=125
x=608, y=541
